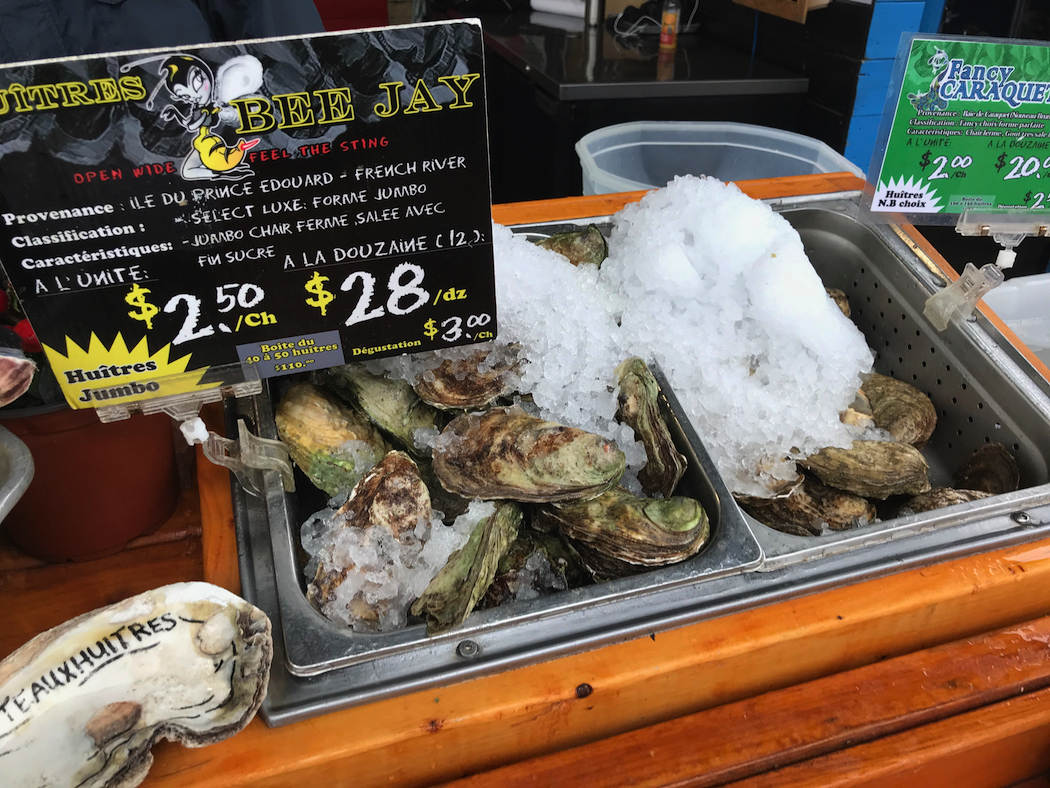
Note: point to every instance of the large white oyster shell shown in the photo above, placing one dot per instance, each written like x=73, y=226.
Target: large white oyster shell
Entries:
x=82, y=704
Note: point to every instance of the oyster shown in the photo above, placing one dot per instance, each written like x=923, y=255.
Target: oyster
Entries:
x=16, y=374
x=457, y=588
x=471, y=382
x=447, y=503
x=618, y=533
x=331, y=443
x=535, y=565
x=901, y=409
x=872, y=469
x=391, y=498
x=582, y=247
x=83, y=704
x=810, y=508
x=859, y=413
x=991, y=469
x=391, y=403
x=840, y=299
x=938, y=498
x=506, y=453
x=639, y=408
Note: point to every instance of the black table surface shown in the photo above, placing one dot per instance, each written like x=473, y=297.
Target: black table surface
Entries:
x=570, y=62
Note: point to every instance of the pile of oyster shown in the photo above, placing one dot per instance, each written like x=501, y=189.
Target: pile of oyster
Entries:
x=416, y=457
x=884, y=474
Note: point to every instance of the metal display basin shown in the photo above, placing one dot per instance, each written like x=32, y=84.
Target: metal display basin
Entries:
x=984, y=391
x=981, y=394
x=313, y=644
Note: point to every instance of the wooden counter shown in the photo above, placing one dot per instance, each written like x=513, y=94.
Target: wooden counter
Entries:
x=849, y=687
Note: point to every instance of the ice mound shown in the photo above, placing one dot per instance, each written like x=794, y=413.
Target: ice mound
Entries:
x=713, y=286
x=760, y=357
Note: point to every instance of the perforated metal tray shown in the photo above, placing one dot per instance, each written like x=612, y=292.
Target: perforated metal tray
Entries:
x=971, y=363
x=982, y=392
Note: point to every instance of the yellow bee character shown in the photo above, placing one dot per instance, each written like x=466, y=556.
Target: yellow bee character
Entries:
x=189, y=80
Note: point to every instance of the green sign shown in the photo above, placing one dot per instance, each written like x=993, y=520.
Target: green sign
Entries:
x=971, y=130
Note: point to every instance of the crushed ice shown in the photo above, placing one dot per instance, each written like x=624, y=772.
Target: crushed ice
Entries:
x=714, y=287
x=384, y=573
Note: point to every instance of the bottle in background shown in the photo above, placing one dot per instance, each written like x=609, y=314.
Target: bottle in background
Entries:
x=669, y=24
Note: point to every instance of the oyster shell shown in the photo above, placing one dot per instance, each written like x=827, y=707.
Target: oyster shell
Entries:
x=390, y=403
x=901, y=409
x=776, y=488
x=872, y=469
x=471, y=382
x=859, y=413
x=506, y=453
x=332, y=444
x=448, y=503
x=639, y=408
x=582, y=247
x=618, y=533
x=840, y=299
x=392, y=497
x=938, y=498
x=535, y=565
x=457, y=588
x=810, y=508
x=991, y=469
x=16, y=374
x=83, y=704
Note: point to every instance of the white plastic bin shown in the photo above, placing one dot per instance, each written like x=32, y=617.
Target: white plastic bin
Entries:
x=1024, y=304
x=648, y=154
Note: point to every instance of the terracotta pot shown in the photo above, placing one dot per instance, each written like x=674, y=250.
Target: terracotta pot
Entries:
x=96, y=485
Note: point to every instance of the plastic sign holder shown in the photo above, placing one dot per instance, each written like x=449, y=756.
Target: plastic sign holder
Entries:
x=965, y=140
x=246, y=456
x=961, y=297
x=179, y=224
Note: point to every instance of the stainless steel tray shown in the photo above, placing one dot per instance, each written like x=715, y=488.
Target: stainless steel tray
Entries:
x=313, y=644
x=982, y=395
x=321, y=667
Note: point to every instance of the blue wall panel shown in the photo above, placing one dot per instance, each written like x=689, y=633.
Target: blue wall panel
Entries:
x=872, y=85
x=860, y=139
x=889, y=19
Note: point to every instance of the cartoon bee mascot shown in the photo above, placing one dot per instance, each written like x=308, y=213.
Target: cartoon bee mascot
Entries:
x=189, y=80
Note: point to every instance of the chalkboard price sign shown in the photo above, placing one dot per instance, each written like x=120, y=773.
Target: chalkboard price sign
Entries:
x=288, y=203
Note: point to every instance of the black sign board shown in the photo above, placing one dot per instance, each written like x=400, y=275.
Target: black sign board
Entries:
x=288, y=203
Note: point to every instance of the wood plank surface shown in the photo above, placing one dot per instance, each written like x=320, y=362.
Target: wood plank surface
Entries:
x=439, y=735
x=990, y=747
x=36, y=598
x=1036, y=782
x=567, y=208
x=799, y=723
x=219, y=541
